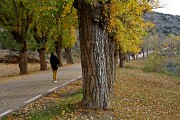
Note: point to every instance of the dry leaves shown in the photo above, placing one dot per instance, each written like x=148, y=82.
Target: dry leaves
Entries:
x=137, y=95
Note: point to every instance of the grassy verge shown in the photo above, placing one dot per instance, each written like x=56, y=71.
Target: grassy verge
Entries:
x=62, y=104
x=140, y=95
x=137, y=95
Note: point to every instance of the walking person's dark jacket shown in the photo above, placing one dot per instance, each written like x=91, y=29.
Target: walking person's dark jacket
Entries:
x=54, y=62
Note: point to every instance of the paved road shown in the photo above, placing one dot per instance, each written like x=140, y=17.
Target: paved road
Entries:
x=21, y=90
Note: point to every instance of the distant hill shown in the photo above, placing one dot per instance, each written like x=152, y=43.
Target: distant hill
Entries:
x=165, y=23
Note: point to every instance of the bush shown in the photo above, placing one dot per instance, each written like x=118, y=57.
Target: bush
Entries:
x=154, y=63
x=157, y=63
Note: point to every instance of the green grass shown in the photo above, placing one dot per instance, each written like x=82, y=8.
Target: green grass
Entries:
x=65, y=106
x=61, y=104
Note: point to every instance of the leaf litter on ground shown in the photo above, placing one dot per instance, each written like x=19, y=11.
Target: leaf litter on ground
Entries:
x=136, y=95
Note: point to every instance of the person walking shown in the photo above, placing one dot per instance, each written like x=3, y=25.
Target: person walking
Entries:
x=54, y=65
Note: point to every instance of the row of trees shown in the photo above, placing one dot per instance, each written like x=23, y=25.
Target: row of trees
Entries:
x=48, y=23
x=105, y=26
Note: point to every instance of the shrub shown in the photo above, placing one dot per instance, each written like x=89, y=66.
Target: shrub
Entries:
x=154, y=63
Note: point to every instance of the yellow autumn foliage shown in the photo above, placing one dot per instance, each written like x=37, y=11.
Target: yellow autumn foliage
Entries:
x=127, y=22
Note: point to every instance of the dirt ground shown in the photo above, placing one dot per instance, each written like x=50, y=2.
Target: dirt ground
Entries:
x=10, y=70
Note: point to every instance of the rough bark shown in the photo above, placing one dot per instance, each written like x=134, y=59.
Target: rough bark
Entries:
x=23, y=59
x=43, y=63
x=59, y=50
x=94, y=53
x=69, y=56
x=110, y=62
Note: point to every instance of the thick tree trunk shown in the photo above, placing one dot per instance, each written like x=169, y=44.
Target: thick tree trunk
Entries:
x=43, y=63
x=116, y=56
x=110, y=62
x=23, y=59
x=94, y=55
x=121, y=58
x=69, y=56
x=59, y=50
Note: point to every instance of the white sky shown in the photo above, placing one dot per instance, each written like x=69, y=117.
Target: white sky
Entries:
x=171, y=7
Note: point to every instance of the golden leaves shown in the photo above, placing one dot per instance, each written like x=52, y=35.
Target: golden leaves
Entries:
x=127, y=22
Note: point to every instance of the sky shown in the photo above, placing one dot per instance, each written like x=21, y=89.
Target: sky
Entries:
x=170, y=7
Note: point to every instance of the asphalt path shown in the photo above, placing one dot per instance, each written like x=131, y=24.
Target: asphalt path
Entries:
x=21, y=90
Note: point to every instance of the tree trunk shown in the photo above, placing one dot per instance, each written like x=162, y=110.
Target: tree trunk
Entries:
x=59, y=50
x=116, y=51
x=94, y=55
x=129, y=56
x=147, y=50
x=69, y=56
x=133, y=56
x=110, y=62
x=137, y=56
x=43, y=63
x=23, y=59
x=143, y=52
x=126, y=56
x=121, y=58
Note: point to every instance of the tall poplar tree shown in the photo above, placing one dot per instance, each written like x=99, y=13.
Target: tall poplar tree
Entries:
x=97, y=48
x=95, y=51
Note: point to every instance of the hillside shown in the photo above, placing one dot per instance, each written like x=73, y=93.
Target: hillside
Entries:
x=165, y=23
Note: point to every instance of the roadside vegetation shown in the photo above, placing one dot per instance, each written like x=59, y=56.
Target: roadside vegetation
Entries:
x=137, y=95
